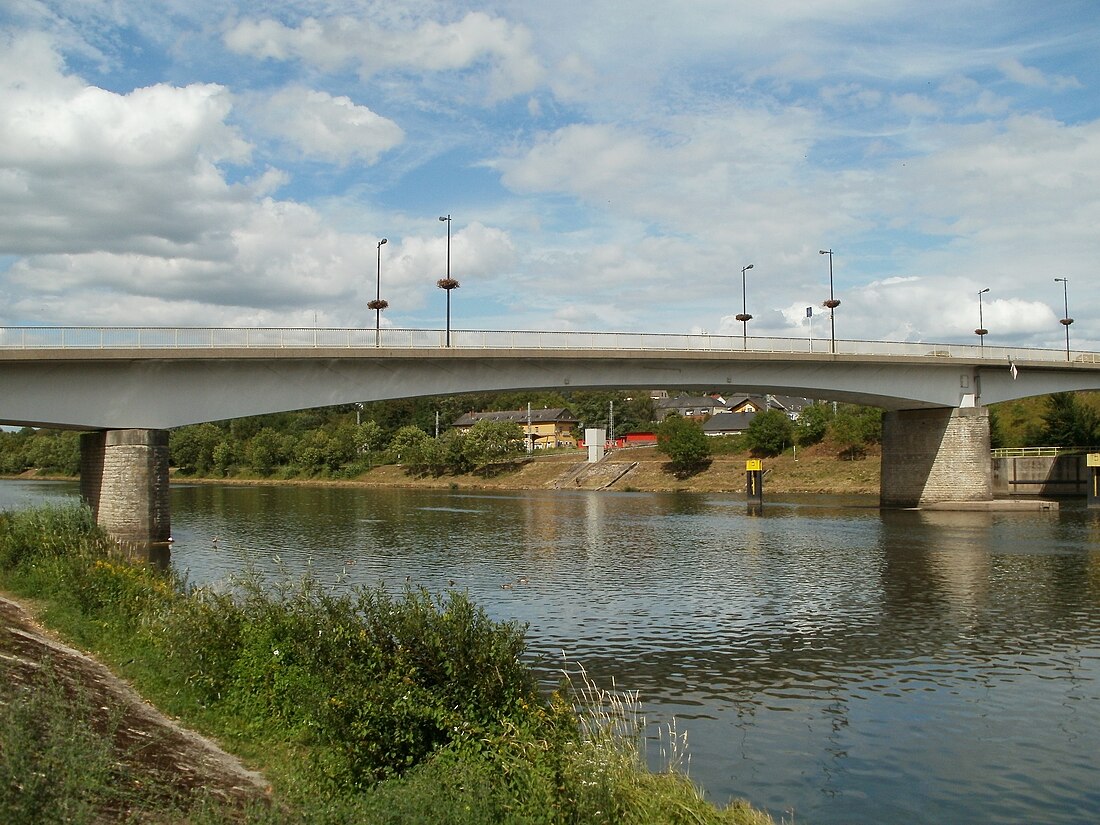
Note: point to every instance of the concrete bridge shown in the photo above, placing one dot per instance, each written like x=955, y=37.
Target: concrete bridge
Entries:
x=127, y=386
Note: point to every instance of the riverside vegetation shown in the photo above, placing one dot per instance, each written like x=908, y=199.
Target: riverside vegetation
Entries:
x=365, y=706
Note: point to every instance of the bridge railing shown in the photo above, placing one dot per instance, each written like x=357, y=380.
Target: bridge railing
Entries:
x=331, y=338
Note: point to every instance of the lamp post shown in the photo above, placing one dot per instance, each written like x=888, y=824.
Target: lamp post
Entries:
x=448, y=283
x=832, y=303
x=744, y=317
x=981, y=331
x=378, y=304
x=1066, y=320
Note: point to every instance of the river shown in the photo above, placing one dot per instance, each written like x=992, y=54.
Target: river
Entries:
x=829, y=661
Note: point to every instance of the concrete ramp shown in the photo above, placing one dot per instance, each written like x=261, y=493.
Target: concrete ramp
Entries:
x=598, y=476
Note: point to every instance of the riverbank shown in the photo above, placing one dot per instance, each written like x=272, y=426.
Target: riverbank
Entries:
x=817, y=469
x=364, y=707
x=814, y=470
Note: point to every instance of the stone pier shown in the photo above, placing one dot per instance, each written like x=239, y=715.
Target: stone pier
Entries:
x=935, y=456
x=124, y=479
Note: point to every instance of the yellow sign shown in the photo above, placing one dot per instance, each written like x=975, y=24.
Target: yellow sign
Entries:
x=1092, y=460
x=752, y=464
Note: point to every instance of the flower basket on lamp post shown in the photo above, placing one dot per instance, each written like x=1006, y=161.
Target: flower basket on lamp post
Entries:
x=448, y=284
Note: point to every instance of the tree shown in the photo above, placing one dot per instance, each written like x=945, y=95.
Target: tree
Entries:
x=1069, y=422
x=53, y=451
x=192, y=447
x=812, y=424
x=593, y=408
x=854, y=427
x=684, y=442
x=343, y=445
x=406, y=441
x=265, y=451
x=637, y=414
x=769, y=432
x=488, y=442
x=371, y=437
x=223, y=457
x=311, y=452
x=452, y=449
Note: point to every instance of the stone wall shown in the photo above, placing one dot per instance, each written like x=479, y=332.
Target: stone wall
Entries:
x=124, y=479
x=938, y=455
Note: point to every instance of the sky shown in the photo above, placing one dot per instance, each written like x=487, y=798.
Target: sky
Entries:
x=606, y=166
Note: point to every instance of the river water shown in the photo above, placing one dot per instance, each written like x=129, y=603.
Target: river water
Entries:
x=829, y=661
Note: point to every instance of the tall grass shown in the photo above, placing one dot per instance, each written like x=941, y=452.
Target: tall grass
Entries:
x=370, y=706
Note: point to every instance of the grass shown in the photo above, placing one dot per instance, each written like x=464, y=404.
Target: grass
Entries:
x=57, y=765
x=370, y=707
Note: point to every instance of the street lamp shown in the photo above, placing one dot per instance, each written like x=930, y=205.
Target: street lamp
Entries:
x=1066, y=320
x=448, y=283
x=981, y=331
x=378, y=304
x=832, y=303
x=744, y=317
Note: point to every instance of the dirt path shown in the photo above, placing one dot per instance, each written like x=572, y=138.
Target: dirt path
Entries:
x=154, y=743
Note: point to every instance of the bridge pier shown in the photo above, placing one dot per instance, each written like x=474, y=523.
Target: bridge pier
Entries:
x=124, y=479
x=938, y=455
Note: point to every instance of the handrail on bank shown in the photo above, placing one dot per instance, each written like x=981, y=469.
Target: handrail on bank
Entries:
x=184, y=338
x=1040, y=452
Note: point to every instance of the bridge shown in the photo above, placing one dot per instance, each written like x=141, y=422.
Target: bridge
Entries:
x=127, y=386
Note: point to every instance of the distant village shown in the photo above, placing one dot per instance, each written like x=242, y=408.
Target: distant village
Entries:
x=556, y=427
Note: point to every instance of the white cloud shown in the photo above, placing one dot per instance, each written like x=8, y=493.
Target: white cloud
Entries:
x=1017, y=72
x=326, y=127
x=82, y=168
x=428, y=47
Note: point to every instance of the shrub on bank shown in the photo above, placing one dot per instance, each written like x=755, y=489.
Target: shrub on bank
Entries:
x=366, y=707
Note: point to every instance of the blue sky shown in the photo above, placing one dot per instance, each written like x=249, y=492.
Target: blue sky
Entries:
x=606, y=166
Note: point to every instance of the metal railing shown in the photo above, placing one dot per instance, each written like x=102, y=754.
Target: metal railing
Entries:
x=1040, y=452
x=184, y=338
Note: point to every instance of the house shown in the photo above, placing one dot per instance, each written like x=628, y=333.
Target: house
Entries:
x=745, y=404
x=789, y=404
x=697, y=407
x=543, y=428
x=728, y=423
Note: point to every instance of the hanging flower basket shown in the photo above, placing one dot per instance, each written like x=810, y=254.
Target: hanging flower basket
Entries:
x=1066, y=322
x=742, y=317
x=378, y=305
x=832, y=303
x=447, y=283
x=981, y=332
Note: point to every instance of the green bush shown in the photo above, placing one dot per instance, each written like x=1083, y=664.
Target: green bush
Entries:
x=769, y=432
x=684, y=442
x=48, y=532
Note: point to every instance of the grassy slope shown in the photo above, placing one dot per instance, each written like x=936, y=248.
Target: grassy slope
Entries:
x=816, y=470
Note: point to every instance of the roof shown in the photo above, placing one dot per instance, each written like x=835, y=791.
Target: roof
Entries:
x=684, y=401
x=543, y=415
x=728, y=422
x=789, y=403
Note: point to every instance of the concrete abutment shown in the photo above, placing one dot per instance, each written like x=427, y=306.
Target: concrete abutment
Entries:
x=124, y=479
x=935, y=456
